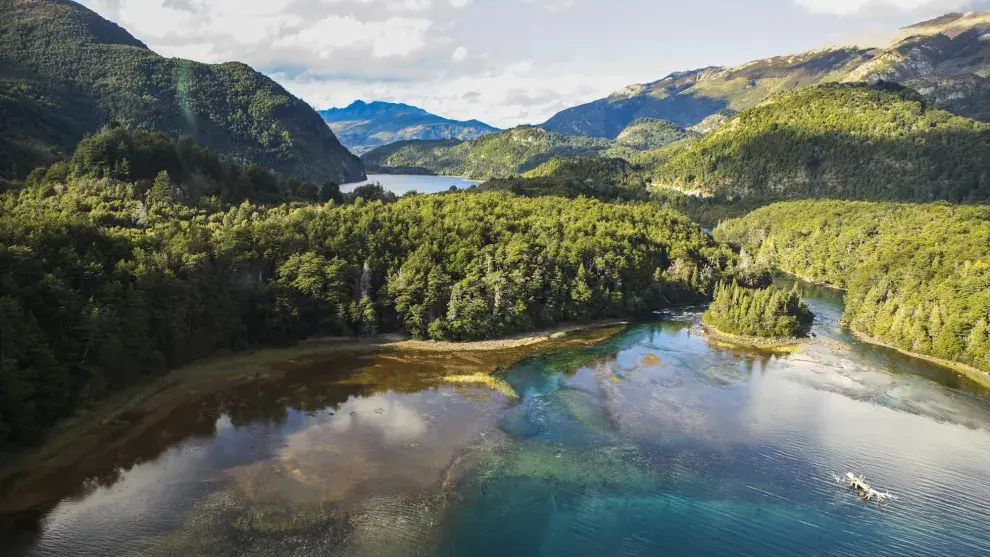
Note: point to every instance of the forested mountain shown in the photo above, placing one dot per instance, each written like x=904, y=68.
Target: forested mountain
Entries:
x=66, y=72
x=506, y=153
x=651, y=133
x=837, y=140
x=363, y=126
x=918, y=275
x=947, y=59
x=142, y=253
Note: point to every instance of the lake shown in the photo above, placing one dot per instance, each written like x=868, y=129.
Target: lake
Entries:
x=652, y=441
x=403, y=183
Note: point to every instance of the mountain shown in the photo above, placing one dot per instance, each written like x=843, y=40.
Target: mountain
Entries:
x=66, y=72
x=500, y=154
x=363, y=126
x=651, y=133
x=946, y=59
x=853, y=141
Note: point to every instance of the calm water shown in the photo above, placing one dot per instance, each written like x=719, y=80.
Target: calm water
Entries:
x=655, y=442
x=402, y=183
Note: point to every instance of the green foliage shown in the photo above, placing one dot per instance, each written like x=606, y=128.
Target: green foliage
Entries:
x=650, y=133
x=847, y=141
x=918, y=276
x=112, y=270
x=598, y=178
x=66, y=72
x=498, y=155
x=171, y=171
x=766, y=313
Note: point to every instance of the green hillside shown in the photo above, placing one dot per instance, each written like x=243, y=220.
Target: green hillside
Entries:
x=651, y=133
x=141, y=254
x=506, y=153
x=837, y=140
x=66, y=72
x=918, y=276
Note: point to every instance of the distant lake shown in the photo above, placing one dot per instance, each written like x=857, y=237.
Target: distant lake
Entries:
x=404, y=183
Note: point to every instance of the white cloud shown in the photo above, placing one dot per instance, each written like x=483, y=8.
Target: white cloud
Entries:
x=396, y=36
x=519, y=93
x=847, y=7
x=502, y=61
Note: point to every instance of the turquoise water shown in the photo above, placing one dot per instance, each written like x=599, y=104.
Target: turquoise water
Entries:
x=402, y=183
x=655, y=442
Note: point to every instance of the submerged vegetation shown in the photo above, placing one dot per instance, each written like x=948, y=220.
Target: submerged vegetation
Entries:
x=769, y=313
x=918, y=276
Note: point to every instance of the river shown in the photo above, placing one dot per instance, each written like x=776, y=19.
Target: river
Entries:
x=655, y=441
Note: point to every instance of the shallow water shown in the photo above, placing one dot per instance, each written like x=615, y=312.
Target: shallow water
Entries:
x=654, y=442
x=400, y=184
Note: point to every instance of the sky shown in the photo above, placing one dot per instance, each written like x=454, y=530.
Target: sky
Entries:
x=505, y=62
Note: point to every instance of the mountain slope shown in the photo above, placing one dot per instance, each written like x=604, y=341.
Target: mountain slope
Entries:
x=501, y=154
x=66, y=72
x=687, y=98
x=651, y=133
x=946, y=59
x=838, y=140
x=363, y=126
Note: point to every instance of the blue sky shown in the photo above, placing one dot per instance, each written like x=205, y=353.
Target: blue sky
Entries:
x=506, y=62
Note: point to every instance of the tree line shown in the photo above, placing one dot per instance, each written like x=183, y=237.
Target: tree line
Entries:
x=918, y=276
x=765, y=313
x=142, y=253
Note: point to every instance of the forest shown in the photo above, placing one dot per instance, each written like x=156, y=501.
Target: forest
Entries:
x=850, y=141
x=498, y=155
x=141, y=253
x=917, y=275
x=66, y=72
x=770, y=313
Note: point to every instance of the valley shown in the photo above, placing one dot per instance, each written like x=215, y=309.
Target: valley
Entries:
x=232, y=324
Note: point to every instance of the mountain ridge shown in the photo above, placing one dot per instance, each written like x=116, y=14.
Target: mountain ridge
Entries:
x=364, y=126
x=944, y=58
x=66, y=72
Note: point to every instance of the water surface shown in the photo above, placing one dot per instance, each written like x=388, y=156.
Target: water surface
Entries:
x=400, y=184
x=654, y=442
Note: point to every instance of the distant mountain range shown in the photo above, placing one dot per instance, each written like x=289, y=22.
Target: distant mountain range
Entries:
x=363, y=126
x=946, y=59
x=66, y=72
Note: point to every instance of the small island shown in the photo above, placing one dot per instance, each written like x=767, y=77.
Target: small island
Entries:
x=761, y=317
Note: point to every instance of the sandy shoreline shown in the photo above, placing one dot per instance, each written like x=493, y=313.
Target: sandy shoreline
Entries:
x=975, y=374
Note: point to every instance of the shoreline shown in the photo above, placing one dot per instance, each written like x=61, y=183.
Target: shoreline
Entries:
x=79, y=435
x=775, y=345
x=769, y=344
x=975, y=374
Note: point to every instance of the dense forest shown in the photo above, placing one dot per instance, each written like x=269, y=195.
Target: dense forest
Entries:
x=651, y=133
x=771, y=312
x=918, y=276
x=66, y=72
x=498, y=155
x=141, y=253
x=877, y=142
